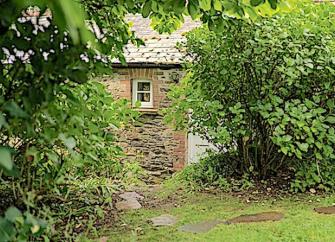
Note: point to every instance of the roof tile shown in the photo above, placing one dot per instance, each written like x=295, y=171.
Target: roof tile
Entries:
x=159, y=48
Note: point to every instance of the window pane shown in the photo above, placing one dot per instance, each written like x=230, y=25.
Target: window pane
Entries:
x=143, y=86
x=143, y=97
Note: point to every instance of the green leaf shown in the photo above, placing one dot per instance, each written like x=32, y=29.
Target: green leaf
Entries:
x=14, y=172
x=12, y=214
x=255, y=3
x=179, y=6
x=154, y=7
x=301, y=123
x=309, y=103
x=318, y=144
x=14, y=110
x=74, y=17
x=320, y=110
x=330, y=103
x=77, y=75
x=330, y=119
x=146, y=9
x=273, y=4
x=316, y=99
x=287, y=138
x=217, y=5
x=193, y=9
x=229, y=5
x=5, y=158
x=303, y=146
x=217, y=25
x=70, y=143
x=205, y=4
x=310, y=65
x=240, y=11
x=7, y=230
x=310, y=140
x=251, y=12
x=298, y=153
x=328, y=150
x=2, y=120
x=130, y=3
x=30, y=219
x=284, y=150
x=316, y=177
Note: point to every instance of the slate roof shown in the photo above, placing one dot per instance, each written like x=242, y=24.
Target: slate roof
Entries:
x=159, y=49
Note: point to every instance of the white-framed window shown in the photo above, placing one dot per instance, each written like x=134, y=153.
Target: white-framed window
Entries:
x=142, y=92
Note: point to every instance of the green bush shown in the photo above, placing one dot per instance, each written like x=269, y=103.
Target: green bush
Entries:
x=319, y=176
x=74, y=139
x=15, y=226
x=207, y=172
x=76, y=132
x=212, y=172
x=263, y=92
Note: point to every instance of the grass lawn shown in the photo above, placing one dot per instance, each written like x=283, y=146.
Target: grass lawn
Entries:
x=300, y=223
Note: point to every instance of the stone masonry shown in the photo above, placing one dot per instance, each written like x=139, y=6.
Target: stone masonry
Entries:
x=157, y=147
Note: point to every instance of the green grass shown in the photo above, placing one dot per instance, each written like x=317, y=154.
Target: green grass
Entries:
x=301, y=223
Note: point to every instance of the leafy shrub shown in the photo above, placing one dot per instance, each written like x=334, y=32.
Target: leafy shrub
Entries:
x=55, y=125
x=313, y=175
x=263, y=92
x=75, y=136
x=212, y=171
x=206, y=173
x=15, y=226
x=76, y=130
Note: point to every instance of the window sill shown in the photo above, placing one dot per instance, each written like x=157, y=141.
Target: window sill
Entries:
x=147, y=110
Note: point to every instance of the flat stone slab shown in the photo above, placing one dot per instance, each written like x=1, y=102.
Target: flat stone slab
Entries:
x=257, y=217
x=201, y=227
x=164, y=220
x=103, y=239
x=131, y=196
x=128, y=205
x=325, y=210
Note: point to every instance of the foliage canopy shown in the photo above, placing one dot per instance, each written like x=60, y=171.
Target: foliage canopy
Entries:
x=264, y=93
x=43, y=56
x=51, y=118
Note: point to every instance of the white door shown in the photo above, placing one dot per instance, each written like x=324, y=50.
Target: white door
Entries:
x=196, y=148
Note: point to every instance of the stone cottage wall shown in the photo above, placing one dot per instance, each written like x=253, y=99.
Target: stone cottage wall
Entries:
x=158, y=148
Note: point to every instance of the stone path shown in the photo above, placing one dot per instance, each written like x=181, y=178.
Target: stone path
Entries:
x=201, y=227
x=164, y=220
x=258, y=217
x=128, y=205
x=205, y=226
x=130, y=201
x=325, y=210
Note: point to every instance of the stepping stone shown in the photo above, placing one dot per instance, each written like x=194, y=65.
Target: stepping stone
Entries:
x=258, y=217
x=131, y=196
x=103, y=239
x=201, y=227
x=325, y=210
x=164, y=220
x=128, y=205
